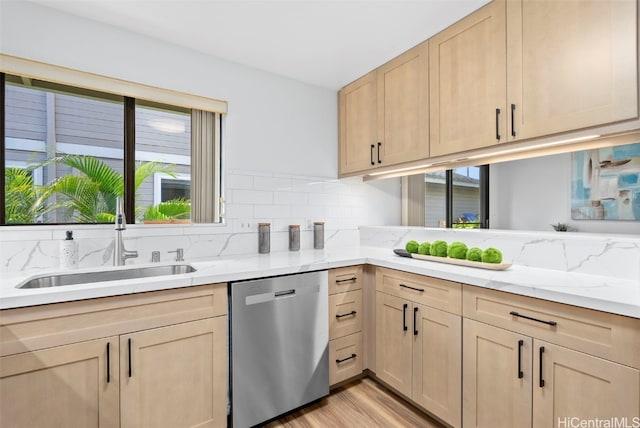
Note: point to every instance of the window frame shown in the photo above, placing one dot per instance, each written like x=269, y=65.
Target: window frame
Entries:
x=158, y=177
x=129, y=155
x=414, y=199
x=484, y=197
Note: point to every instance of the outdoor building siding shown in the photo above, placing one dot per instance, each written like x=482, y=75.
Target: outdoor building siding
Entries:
x=465, y=200
x=87, y=123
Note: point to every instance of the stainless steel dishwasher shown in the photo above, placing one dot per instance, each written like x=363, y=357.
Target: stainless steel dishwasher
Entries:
x=279, y=345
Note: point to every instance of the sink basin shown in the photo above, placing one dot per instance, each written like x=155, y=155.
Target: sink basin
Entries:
x=57, y=280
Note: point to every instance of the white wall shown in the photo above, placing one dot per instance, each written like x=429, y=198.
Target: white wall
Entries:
x=274, y=123
x=533, y=193
x=275, y=126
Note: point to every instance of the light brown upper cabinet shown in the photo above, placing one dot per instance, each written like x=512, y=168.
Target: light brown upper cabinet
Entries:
x=468, y=91
x=570, y=65
x=358, y=114
x=384, y=116
x=521, y=69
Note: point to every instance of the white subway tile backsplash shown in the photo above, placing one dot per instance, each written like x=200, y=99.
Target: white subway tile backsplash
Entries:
x=235, y=181
x=272, y=183
x=239, y=211
x=308, y=211
x=291, y=198
x=252, y=197
x=321, y=199
x=271, y=211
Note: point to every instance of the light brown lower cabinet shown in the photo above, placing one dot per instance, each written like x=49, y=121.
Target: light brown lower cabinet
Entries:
x=577, y=385
x=73, y=385
x=163, y=362
x=497, y=377
x=174, y=376
x=418, y=353
x=164, y=377
x=345, y=324
x=513, y=380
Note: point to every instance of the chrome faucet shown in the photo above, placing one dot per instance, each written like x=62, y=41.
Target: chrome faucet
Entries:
x=179, y=254
x=120, y=255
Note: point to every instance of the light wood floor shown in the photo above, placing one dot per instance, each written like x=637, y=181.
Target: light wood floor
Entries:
x=363, y=403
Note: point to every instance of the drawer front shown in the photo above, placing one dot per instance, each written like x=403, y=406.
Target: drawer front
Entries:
x=39, y=327
x=425, y=290
x=345, y=314
x=345, y=279
x=601, y=334
x=345, y=358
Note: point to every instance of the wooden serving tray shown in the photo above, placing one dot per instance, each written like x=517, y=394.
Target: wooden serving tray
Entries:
x=460, y=262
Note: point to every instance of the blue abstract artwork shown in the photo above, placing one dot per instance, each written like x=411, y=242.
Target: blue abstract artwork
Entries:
x=605, y=183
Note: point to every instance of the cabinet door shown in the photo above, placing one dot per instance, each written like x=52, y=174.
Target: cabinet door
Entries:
x=175, y=376
x=68, y=386
x=467, y=64
x=403, y=108
x=393, y=342
x=494, y=393
x=571, y=64
x=437, y=362
x=357, y=105
x=577, y=385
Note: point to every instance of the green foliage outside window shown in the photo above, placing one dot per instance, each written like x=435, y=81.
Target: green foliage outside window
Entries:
x=87, y=197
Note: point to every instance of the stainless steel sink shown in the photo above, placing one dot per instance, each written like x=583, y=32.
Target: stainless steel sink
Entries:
x=57, y=280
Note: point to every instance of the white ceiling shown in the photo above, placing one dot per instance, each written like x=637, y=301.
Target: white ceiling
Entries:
x=328, y=43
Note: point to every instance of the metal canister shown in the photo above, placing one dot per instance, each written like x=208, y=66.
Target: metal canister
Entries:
x=264, y=238
x=294, y=237
x=318, y=235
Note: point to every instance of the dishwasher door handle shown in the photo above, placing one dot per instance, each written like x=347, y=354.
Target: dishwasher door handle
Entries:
x=285, y=293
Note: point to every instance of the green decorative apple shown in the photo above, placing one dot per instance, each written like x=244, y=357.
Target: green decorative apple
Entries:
x=492, y=255
x=457, y=250
x=424, y=248
x=412, y=246
x=474, y=254
x=439, y=248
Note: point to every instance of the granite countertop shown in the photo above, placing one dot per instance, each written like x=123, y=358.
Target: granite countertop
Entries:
x=613, y=295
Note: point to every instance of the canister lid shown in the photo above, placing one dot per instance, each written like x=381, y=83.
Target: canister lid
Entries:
x=264, y=224
x=294, y=226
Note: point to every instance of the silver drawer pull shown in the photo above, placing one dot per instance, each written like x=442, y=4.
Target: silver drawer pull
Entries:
x=516, y=314
x=285, y=293
x=352, y=279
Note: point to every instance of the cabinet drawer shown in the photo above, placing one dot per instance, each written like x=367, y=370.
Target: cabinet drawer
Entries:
x=609, y=336
x=428, y=291
x=345, y=279
x=345, y=358
x=345, y=314
x=39, y=327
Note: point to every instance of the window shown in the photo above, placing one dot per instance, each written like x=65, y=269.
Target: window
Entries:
x=453, y=198
x=460, y=195
x=465, y=197
x=58, y=131
x=163, y=146
x=169, y=188
x=82, y=148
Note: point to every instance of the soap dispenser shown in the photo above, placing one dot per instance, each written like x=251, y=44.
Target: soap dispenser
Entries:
x=68, y=252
